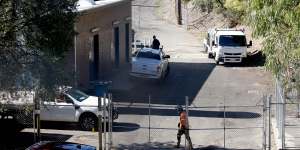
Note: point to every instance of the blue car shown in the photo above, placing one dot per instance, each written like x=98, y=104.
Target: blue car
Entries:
x=47, y=145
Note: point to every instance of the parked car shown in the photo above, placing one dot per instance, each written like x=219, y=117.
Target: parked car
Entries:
x=150, y=63
x=75, y=106
x=47, y=145
x=70, y=105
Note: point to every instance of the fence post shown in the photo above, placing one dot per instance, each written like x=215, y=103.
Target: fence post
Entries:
x=264, y=122
x=283, y=124
x=270, y=122
x=104, y=119
x=149, y=123
x=99, y=124
x=37, y=112
x=224, y=120
x=187, y=114
x=34, y=125
x=110, y=120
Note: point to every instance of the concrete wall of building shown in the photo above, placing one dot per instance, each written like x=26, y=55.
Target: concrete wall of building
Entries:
x=102, y=20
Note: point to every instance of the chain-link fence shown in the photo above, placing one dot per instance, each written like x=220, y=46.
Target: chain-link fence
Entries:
x=287, y=113
x=227, y=126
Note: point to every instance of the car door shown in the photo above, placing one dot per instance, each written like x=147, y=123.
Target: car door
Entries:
x=61, y=110
x=64, y=109
x=47, y=108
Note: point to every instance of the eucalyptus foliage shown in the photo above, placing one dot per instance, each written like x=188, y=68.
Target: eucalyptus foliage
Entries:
x=278, y=23
x=34, y=38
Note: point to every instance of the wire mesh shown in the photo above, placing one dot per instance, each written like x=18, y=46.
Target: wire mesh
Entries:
x=236, y=127
x=244, y=127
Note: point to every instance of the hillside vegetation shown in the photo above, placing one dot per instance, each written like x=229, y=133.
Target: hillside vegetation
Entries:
x=276, y=22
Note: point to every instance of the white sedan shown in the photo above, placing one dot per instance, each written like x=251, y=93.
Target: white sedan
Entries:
x=150, y=63
x=74, y=106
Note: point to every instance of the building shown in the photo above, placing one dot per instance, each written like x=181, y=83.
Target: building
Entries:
x=103, y=42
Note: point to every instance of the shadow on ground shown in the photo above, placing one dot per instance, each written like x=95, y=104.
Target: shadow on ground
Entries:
x=192, y=113
x=117, y=126
x=12, y=137
x=169, y=146
x=184, y=79
x=254, y=60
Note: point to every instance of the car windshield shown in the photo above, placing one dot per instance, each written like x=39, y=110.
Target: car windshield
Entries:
x=148, y=55
x=78, y=95
x=232, y=40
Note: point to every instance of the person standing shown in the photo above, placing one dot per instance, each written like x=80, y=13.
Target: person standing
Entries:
x=155, y=43
x=183, y=128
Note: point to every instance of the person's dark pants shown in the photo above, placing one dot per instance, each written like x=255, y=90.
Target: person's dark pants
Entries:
x=187, y=136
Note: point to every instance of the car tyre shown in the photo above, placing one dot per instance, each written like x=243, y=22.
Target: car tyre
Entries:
x=88, y=122
x=168, y=71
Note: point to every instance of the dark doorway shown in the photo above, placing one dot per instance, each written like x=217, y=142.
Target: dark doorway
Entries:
x=94, y=62
x=117, y=46
x=127, y=44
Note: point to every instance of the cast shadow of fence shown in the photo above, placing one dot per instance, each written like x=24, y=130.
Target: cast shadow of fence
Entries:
x=192, y=113
x=168, y=146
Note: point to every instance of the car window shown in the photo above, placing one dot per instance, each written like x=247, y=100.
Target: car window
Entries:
x=78, y=95
x=148, y=55
x=232, y=40
x=60, y=98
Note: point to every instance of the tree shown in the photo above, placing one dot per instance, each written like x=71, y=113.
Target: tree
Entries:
x=233, y=10
x=34, y=37
x=278, y=23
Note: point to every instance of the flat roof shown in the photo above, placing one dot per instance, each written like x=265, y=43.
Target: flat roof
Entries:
x=83, y=5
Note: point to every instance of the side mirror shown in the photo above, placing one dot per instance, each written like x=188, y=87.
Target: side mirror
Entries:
x=250, y=44
x=166, y=56
x=76, y=106
x=213, y=43
x=134, y=53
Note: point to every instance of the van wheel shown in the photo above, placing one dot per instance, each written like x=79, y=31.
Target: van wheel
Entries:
x=217, y=61
x=210, y=55
x=88, y=122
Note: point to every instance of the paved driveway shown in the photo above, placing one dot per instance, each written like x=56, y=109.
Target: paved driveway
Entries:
x=207, y=86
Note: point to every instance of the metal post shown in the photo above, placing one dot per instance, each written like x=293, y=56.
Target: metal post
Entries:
x=139, y=17
x=264, y=122
x=37, y=119
x=270, y=123
x=187, y=114
x=178, y=12
x=283, y=125
x=110, y=120
x=34, y=125
x=149, y=119
x=105, y=119
x=75, y=58
x=298, y=110
x=186, y=16
x=99, y=123
x=224, y=127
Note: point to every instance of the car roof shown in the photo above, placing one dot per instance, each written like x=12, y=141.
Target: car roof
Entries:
x=60, y=145
x=155, y=51
x=230, y=33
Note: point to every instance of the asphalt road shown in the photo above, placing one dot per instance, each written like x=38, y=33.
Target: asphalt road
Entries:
x=208, y=88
